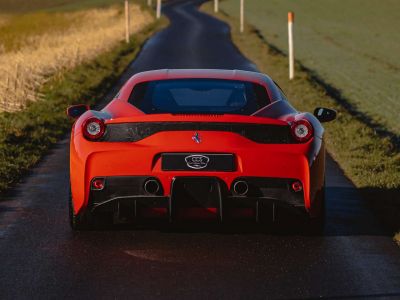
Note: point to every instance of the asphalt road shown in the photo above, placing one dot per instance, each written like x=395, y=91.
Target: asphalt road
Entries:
x=41, y=258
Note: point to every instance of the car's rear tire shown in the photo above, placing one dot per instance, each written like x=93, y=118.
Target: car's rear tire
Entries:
x=87, y=221
x=317, y=224
x=77, y=222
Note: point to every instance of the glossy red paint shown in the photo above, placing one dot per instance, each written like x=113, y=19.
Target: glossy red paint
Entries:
x=91, y=159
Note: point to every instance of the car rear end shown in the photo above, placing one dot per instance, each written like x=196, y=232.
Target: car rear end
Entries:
x=205, y=163
x=204, y=159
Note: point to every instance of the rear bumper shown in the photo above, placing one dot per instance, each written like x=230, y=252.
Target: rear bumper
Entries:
x=140, y=160
x=210, y=196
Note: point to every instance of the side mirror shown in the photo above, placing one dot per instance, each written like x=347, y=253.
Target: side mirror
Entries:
x=325, y=114
x=75, y=111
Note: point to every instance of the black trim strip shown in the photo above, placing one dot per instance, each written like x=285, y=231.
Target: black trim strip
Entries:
x=259, y=133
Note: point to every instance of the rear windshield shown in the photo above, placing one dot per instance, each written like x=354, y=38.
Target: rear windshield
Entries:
x=207, y=96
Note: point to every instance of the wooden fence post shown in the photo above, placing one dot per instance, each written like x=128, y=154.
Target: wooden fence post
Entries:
x=158, y=9
x=127, y=34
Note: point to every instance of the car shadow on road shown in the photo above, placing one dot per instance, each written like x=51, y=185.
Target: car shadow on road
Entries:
x=346, y=214
x=350, y=214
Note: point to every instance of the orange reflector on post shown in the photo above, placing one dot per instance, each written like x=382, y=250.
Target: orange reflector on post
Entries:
x=290, y=17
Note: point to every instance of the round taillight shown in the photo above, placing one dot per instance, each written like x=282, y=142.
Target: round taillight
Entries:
x=93, y=129
x=302, y=130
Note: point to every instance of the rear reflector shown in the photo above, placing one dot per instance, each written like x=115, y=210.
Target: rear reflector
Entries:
x=297, y=186
x=98, y=184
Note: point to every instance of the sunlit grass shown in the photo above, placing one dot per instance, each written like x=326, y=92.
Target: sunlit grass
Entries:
x=18, y=31
x=25, y=6
x=33, y=50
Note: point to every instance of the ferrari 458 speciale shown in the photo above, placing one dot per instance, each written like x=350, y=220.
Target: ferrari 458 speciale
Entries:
x=194, y=144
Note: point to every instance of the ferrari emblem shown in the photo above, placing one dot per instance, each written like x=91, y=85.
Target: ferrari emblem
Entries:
x=197, y=138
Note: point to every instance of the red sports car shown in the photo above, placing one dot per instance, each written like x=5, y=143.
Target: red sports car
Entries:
x=180, y=144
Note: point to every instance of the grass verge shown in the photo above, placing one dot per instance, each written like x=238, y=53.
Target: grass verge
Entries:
x=26, y=135
x=370, y=160
x=397, y=238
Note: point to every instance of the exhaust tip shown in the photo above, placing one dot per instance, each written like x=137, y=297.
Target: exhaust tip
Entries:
x=241, y=188
x=151, y=186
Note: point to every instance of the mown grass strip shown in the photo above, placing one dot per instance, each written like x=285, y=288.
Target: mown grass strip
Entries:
x=25, y=136
x=371, y=161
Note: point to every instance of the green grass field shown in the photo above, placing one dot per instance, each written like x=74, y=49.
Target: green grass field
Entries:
x=352, y=45
x=24, y=6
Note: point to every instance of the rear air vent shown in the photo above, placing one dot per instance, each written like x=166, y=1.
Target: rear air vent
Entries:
x=260, y=133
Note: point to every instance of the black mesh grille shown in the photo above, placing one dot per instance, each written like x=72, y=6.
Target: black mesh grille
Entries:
x=260, y=133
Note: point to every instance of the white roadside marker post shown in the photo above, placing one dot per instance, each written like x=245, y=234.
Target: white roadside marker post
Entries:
x=127, y=35
x=291, y=47
x=216, y=8
x=241, y=15
x=149, y=3
x=158, y=9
